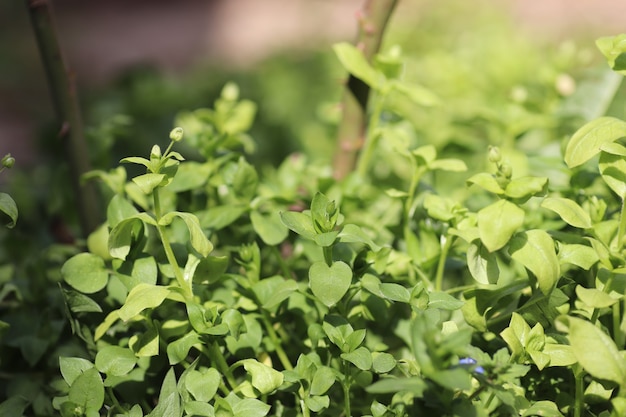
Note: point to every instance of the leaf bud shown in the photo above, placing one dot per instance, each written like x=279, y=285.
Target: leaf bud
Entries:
x=155, y=153
x=176, y=134
x=506, y=170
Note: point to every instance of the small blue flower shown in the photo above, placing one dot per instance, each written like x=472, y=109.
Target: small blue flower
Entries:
x=470, y=362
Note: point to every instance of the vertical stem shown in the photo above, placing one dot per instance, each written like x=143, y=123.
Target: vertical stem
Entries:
x=372, y=22
x=167, y=247
x=64, y=96
x=442, y=261
x=282, y=355
x=371, y=139
x=622, y=226
x=346, y=383
x=579, y=396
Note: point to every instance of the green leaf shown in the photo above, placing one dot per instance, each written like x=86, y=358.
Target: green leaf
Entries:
x=525, y=187
x=127, y=234
x=414, y=385
x=85, y=272
x=382, y=362
x=274, y=290
x=595, y=298
x=443, y=301
x=317, y=403
x=87, y=390
x=497, y=223
x=301, y=223
x=219, y=217
x=119, y=208
x=351, y=233
x=178, y=350
x=264, y=378
x=250, y=407
x=543, y=409
x=330, y=283
x=395, y=292
x=323, y=379
x=535, y=250
x=614, y=49
x=14, y=406
x=356, y=64
x=580, y=255
x=569, y=211
x=115, y=360
x=613, y=170
x=417, y=94
x=451, y=165
x=141, y=297
x=71, y=368
x=198, y=239
x=487, y=182
x=148, y=182
x=8, y=207
x=596, y=351
x=482, y=264
x=324, y=213
x=588, y=140
x=203, y=385
x=361, y=358
x=269, y=227
x=80, y=303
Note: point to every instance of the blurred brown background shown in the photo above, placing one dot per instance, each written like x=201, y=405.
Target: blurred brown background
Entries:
x=103, y=38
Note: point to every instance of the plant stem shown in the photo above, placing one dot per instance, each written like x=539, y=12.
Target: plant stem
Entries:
x=372, y=22
x=64, y=96
x=346, y=382
x=282, y=355
x=167, y=247
x=579, y=396
x=215, y=353
x=441, y=264
x=622, y=226
x=371, y=138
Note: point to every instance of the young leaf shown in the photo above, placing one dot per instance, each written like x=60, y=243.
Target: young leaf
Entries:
x=203, y=385
x=178, y=350
x=115, y=360
x=127, y=234
x=264, y=378
x=198, y=239
x=323, y=379
x=269, y=227
x=382, y=362
x=569, y=210
x=72, y=368
x=595, y=298
x=141, y=297
x=330, y=283
x=588, y=140
x=482, y=264
x=535, y=250
x=613, y=170
x=8, y=207
x=301, y=223
x=487, y=182
x=148, y=182
x=497, y=223
x=85, y=272
x=596, y=351
x=361, y=358
x=87, y=390
x=355, y=63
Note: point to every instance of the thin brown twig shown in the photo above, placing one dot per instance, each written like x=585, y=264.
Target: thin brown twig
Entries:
x=373, y=20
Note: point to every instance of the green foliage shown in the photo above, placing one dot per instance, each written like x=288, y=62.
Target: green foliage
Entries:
x=421, y=284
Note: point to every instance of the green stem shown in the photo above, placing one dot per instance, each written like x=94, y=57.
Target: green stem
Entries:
x=282, y=355
x=328, y=255
x=622, y=226
x=346, y=383
x=618, y=334
x=441, y=264
x=371, y=140
x=281, y=263
x=167, y=247
x=215, y=354
x=579, y=396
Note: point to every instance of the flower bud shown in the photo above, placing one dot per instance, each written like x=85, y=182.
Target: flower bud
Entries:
x=494, y=154
x=177, y=134
x=8, y=161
